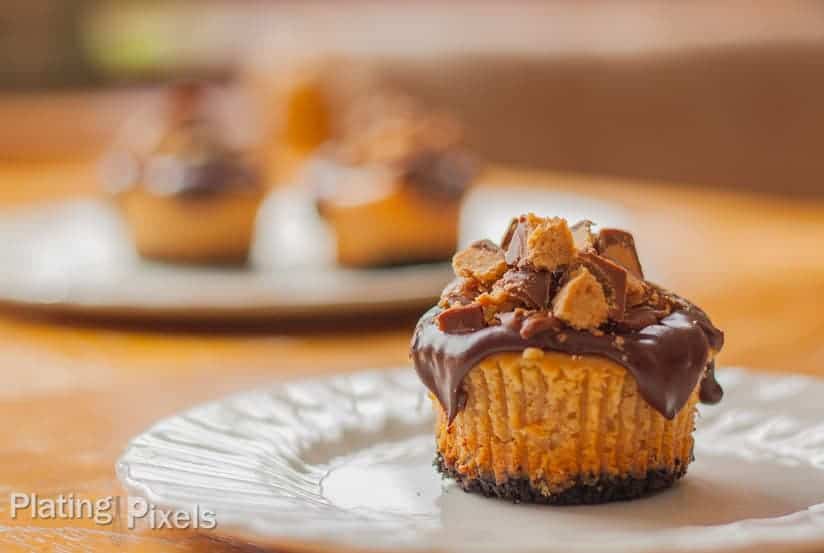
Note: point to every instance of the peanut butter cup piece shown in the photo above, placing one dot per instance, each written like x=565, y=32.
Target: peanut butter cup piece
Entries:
x=539, y=243
x=638, y=291
x=496, y=301
x=612, y=277
x=514, y=242
x=581, y=302
x=619, y=246
x=482, y=260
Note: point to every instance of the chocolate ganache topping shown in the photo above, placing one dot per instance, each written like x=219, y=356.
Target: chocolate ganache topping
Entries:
x=566, y=289
x=193, y=174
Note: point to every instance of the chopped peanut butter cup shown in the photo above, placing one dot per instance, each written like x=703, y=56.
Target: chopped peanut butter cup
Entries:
x=619, y=246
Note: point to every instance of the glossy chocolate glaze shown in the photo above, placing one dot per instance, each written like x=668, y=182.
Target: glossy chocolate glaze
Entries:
x=186, y=178
x=439, y=174
x=667, y=357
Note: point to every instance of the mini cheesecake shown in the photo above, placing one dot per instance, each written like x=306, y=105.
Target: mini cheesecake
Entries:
x=186, y=193
x=558, y=374
x=392, y=194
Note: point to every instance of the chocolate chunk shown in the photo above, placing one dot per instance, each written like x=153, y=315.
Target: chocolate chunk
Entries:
x=533, y=289
x=538, y=323
x=619, y=246
x=612, y=277
x=514, y=243
x=510, y=232
x=461, y=318
x=460, y=291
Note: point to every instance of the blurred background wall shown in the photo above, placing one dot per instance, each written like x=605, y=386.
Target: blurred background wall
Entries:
x=724, y=94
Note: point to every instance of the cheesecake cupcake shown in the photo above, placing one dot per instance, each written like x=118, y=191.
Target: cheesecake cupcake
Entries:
x=391, y=189
x=187, y=188
x=558, y=374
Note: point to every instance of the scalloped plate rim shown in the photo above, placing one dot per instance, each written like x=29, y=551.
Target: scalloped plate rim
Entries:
x=802, y=533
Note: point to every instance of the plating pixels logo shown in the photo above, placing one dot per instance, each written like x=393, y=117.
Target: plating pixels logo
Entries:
x=103, y=511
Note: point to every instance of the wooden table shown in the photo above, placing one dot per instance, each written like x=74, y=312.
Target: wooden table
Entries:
x=73, y=394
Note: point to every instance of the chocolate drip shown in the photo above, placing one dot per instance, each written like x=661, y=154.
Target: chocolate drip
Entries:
x=667, y=357
x=710, y=391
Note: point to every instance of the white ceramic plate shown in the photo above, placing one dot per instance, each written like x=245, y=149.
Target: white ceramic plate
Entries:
x=77, y=258
x=346, y=461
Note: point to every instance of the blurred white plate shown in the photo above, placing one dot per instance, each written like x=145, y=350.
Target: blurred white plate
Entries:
x=346, y=461
x=77, y=258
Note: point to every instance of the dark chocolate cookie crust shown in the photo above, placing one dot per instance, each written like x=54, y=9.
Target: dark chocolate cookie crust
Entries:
x=604, y=490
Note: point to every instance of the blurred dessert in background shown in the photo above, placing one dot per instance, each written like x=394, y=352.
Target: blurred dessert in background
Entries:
x=185, y=180
x=391, y=185
x=302, y=103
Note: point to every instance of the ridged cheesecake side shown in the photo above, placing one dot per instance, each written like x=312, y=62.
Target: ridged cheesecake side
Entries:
x=550, y=427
